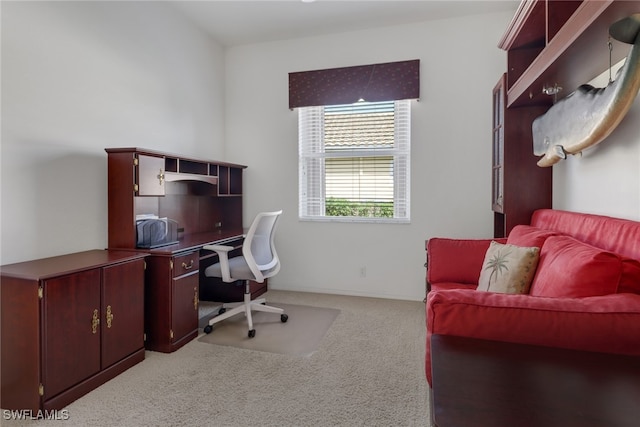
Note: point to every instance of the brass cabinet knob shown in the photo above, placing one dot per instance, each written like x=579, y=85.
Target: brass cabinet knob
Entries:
x=95, y=321
x=109, y=316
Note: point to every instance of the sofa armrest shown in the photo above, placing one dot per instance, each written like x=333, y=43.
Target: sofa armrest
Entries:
x=609, y=323
x=456, y=260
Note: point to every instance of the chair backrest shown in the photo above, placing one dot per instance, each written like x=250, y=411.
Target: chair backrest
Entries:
x=259, y=249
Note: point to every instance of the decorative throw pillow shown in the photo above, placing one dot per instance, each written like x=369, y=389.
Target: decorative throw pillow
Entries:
x=570, y=268
x=508, y=269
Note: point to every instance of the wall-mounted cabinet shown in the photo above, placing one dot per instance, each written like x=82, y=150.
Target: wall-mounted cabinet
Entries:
x=519, y=186
x=560, y=43
x=550, y=44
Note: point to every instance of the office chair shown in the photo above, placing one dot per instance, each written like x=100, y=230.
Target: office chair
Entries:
x=258, y=261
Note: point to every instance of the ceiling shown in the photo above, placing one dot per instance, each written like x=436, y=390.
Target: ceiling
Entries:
x=237, y=22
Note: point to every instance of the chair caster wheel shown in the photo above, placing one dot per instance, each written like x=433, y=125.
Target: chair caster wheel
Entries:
x=208, y=329
x=252, y=333
x=222, y=310
x=284, y=318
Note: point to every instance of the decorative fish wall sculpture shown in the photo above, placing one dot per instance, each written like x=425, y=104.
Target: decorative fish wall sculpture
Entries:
x=588, y=115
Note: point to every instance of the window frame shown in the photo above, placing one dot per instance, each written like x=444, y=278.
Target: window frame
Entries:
x=312, y=172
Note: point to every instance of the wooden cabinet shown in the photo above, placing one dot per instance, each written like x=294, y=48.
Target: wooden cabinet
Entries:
x=497, y=162
x=150, y=176
x=519, y=186
x=72, y=340
x=69, y=324
x=559, y=43
x=121, y=307
x=172, y=298
x=552, y=46
x=204, y=197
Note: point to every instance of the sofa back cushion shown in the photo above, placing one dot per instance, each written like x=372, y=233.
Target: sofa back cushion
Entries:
x=529, y=236
x=621, y=236
x=455, y=260
x=630, y=280
x=618, y=235
x=569, y=268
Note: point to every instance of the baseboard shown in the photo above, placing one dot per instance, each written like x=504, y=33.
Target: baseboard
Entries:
x=335, y=291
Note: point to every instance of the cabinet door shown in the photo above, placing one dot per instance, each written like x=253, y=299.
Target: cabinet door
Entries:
x=71, y=330
x=122, y=319
x=150, y=176
x=499, y=100
x=184, y=310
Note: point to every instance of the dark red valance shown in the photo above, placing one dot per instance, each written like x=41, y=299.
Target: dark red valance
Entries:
x=390, y=81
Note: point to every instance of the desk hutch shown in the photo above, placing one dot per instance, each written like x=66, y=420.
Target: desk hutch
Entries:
x=205, y=198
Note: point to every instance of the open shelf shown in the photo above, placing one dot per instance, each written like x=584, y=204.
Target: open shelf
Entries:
x=174, y=177
x=563, y=43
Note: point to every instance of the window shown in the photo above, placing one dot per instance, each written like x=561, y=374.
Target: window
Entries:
x=354, y=162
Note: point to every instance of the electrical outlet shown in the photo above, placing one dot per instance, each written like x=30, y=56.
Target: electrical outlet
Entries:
x=363, y=271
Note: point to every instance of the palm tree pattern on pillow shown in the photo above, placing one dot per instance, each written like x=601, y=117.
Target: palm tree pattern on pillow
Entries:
x=498, y=263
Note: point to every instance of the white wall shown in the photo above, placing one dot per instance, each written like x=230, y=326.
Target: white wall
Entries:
x=81, y=76
x=605, y=180
x=451, y=149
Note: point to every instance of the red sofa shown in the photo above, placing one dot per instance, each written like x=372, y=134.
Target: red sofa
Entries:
x=585, y=294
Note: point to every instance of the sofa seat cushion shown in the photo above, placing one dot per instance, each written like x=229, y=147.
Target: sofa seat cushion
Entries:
x=508, y=269
x=451, y=285
x=570, y=268
x=609, y=323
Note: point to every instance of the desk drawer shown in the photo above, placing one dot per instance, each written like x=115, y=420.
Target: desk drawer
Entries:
x=184, y=264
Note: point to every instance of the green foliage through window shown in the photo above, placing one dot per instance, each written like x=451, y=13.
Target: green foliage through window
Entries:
x=370, y=209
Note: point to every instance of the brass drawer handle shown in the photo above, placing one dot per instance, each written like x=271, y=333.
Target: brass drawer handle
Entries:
x=187, y=267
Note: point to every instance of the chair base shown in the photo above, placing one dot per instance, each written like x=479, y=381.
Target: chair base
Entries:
x=246, y=307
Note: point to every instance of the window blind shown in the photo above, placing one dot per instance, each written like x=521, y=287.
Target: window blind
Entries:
x=354, y=161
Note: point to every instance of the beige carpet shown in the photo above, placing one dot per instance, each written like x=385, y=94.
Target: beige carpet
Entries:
x=368, y=371
x=299, y=336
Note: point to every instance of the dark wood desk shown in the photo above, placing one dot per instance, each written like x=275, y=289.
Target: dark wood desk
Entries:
x=497, y=384
x=204, y=197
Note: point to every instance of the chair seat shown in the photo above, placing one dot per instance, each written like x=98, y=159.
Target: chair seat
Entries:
x=238, y=268
x=258, y=262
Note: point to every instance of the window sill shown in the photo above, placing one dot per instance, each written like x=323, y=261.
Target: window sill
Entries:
x=356, y=220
